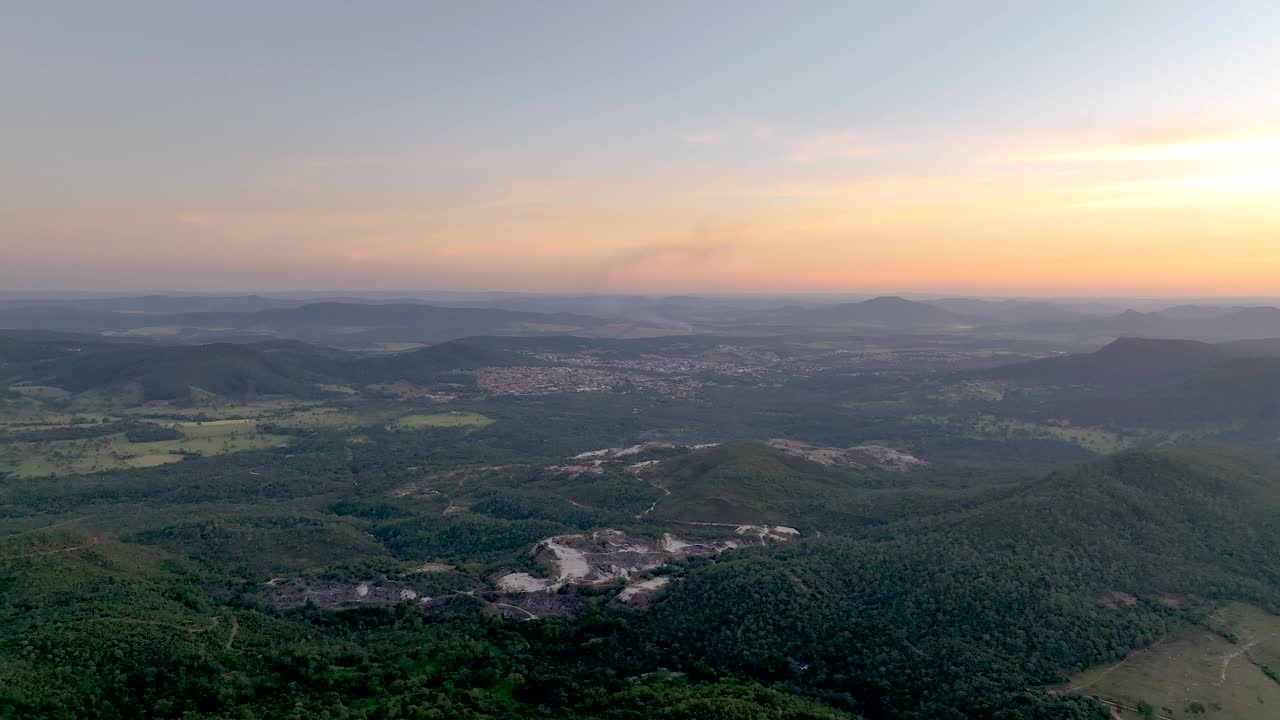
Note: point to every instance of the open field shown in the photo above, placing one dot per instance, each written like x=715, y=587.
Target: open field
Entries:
x=227, y=410
x=1095, y=440
x=115, y=451
x=322, y=418
x=444, y=420
x=41, y=392
x=211, y=428
x=1218, y=671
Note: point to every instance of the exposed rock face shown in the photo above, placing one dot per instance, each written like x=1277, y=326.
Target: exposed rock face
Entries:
x=768, y=532
x=432, y=568
x=636, y=591
x=611, y=453
x=622, y=452
x=861, y=457
x=609, y=556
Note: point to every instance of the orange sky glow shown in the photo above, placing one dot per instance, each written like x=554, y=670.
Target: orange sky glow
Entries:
x=985, y=164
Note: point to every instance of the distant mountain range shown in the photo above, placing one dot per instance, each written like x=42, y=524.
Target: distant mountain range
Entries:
x=1125, y=362
x=1031, y=319
x=1158, y=383
x=352, y=321
x=888, y=313
x=336, y=323
x=145, y=372
x=1013, y=311
x=1187, y=322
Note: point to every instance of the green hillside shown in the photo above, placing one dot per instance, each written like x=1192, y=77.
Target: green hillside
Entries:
x=954, y=612
x=170, y=372
x=746, y=482
x=430, y=364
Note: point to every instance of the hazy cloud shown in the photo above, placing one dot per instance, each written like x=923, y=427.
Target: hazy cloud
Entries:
x=831, y=146
x=1182, y=191
x=703, y=138
x=702, y=244
x=740, y=130
x=535, y=192
x=1158, y=145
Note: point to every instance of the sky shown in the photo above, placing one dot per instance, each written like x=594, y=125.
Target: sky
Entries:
x=968, y=147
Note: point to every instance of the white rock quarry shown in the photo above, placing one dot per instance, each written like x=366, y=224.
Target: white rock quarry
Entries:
x=606, y=453
x=523, y=582
x=606, y=556
x=673, y=544
x=612, y=453
x=573, y=562
x=630, y=592
x=766, y=532
x=859, y=456
x=431, y=568
x=887, y=458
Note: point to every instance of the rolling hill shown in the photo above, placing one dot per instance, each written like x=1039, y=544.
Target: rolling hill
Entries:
x=334, y=323
x=1178, y=384
x=958, y=613
x=888, y=312
x=1007, y=311
x=171, y=372
x=78, y=364
x=430, y=364
x=744, y=482
x=1189, y=323
x=1240, y=391
x=1127, y=361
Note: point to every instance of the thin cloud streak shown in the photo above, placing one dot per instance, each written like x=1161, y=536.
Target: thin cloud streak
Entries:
x=703, y=138
x=831, y=146
x=742, y=130
x=1157, y=147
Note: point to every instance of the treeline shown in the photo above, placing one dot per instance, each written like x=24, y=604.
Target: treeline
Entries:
x=961, y=611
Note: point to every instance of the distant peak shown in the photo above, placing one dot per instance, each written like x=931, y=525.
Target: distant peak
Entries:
x=1155, y=345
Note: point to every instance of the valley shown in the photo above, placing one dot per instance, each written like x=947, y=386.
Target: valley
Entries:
x=639, y=361
x=859, y=525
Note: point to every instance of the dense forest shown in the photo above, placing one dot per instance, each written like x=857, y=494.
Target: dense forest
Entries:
x=955, y=613
x=880, y=544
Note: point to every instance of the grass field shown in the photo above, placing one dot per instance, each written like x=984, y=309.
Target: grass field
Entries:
x=228, y=410
x=444, y=420
x=1219, y=672
x=41, y=392
x=214, y=428
x=332, y=418
x=988, y=426
x=111, y=452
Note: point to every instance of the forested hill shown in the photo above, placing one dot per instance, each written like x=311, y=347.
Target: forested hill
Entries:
x=955, y=615
x=1124, y=362
x=1181, y=385
x=345, y=323
x=958, y=612
x=80, y=364
x=171, y=372
x=430, y=364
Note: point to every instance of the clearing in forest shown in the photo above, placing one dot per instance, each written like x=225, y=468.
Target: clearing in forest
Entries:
x=444, y=420
x=1225, y=670
x=115, y=451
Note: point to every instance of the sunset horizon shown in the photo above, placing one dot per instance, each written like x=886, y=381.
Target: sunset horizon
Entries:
x=670, y=360
x=859, y=150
